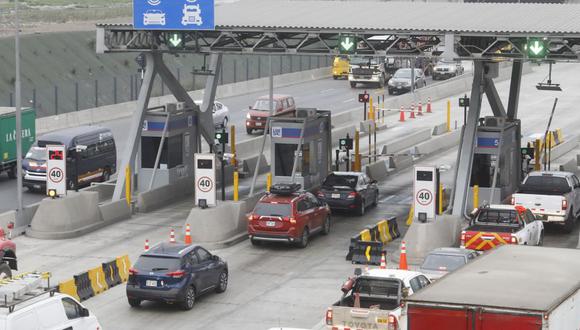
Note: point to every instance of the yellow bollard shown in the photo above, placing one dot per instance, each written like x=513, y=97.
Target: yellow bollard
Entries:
x=448, y=116
x=233, y=145
x=411, y=215
x=268, y=182
x=440, y=198
x=537, y=151
x=128, y=185
x=371, y=110
x=356, y=167
x=236, y=186
x=475, y=196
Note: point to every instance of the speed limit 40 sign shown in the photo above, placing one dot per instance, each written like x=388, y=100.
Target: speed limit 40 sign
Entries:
x=205, y=179
x=56, y=169
x=425, y=184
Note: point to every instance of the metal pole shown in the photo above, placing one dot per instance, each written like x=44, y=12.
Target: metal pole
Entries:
x=546, y=135
x=223, y=171
x=413, y=77
x=115, y=90
x=96, y=93
x=18, y=92
x=337, y=151
x=159, y=150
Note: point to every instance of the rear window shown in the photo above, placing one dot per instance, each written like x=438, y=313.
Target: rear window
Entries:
x=498, y=217
x=546, y=185
x=337, y=181
x=271, y=209
x=152, y=264
x=378, y=287
x=443, y=262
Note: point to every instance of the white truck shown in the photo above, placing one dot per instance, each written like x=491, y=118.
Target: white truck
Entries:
x=373, y=300
x=551, y=196
x=367, y=70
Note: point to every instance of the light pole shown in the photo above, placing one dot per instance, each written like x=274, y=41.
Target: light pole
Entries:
x=17, y=91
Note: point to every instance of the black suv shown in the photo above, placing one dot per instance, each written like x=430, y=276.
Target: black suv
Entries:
x=176, y=273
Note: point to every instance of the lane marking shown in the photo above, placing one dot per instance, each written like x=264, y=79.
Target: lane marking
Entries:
x=326, y=90
x=387, y=198
x=348, y=101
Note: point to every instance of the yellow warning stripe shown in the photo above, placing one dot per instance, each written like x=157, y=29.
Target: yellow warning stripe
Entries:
x=473, y=239
x=485, y=242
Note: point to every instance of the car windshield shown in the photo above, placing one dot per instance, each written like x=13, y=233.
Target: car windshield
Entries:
x=444, y=62
x=271, y=209
x=378, y=287
x=443, y=262
x=36, y=153
x=505, y=217
x=359, y=60
x=545, y=184
x=334, y=180
x=403, y=73
x=263, y=105
x=153, y=263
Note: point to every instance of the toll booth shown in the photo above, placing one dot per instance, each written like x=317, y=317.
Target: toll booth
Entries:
x=168, y=139
x=497, y=165
x=301, y=144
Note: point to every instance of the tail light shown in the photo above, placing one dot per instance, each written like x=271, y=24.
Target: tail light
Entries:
x=176, y=274
x=253, y=217
x=10, y=225
x=564, y=204
x=463, y=239
x=289, y=219
x=329, y=316
x=352, y=195
x=133, y=271
x=514, y=240
x=513, y=201
x=393, y=323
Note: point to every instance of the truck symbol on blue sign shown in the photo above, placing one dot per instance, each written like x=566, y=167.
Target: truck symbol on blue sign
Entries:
x=173, y=15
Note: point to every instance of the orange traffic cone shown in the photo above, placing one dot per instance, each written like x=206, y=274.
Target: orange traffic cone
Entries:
x=420, y=109
x=402, y=114
x=146, y=245
x=403, y=258
x=172, y=236
x=187, y=234
x=412, y=115
x=428, y=105
x=383, y=262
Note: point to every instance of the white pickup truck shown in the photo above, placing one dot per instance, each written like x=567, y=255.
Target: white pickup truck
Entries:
x=551, y=196
x=373, y=300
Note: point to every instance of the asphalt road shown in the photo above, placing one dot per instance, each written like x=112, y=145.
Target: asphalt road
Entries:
x=276, y=285
x=327, y=94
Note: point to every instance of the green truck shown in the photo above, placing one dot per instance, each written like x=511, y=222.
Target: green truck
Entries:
x=8, y=137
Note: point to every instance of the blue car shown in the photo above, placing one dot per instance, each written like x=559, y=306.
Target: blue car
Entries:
x=176, y=273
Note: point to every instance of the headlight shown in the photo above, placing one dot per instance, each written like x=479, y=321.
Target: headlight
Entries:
x=406, y=83
x=248, y=116
x=390, y=83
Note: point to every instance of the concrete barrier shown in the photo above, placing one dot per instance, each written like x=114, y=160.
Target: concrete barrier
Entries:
x=406, y=142
x=343, y=118
x=221, y=223
x=67, y=217
x=440, y=129
x=569, y=166
x=438, y=143
x=563, y=148
x=249, y=164
x=251, y=147
x=341, y=132
x=229, y=174
x=122, y=110
x=377, y=170
x=421, y=238
x=114, y=211
x=105, y=190
x=401, y=161
x=162, y=196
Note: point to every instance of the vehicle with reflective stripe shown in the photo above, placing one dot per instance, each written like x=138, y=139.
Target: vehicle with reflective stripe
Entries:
x=551, y=196
x=374, y=300
x=496, y=225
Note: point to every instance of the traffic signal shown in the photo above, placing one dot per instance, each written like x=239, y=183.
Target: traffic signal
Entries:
x=464, y=101
x=537, y=48
x=221, y=137
x=347, y=44
x=345, y=143
x=174, y=40
x=363, y=98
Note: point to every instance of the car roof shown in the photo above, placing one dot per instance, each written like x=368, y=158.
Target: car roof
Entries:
x=499, y=207
x=281, y=199
x=560, y=174
x=452, y=251
x=66, y=136
x=167, y=249
x=33, y=303
x=405, y=275
x=346, y=173
x=276, y=97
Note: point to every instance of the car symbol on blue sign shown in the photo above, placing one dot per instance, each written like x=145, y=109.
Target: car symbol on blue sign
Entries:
x=173, y=14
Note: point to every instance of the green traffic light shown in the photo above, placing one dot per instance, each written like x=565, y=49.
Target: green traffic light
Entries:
x=536, y=48
x=175, y=40
x=347, y=44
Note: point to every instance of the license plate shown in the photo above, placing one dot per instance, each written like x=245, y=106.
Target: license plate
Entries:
x=270, y=223
x=382, y=320
x=36, y=186
x=335, y=195
x=399, y=87
x=151, y=283
x=258, y=124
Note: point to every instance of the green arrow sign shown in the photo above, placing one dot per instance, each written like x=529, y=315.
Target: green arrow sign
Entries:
x=175, y=40
x=347, y=44
x=537, y=48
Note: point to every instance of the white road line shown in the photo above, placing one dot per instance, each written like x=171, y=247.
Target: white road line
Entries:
x=326, y=90
x=387, y=198
x=347, y=101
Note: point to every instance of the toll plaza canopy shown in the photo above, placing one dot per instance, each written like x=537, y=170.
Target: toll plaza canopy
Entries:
x=478, y=30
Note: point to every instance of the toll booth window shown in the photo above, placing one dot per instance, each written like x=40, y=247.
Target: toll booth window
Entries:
x=424, y=176
x=306, y=159
x=149, y=147
x=175, y=157
x=284, y=154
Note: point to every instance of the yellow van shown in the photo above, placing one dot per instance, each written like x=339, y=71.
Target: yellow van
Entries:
x=340, y=67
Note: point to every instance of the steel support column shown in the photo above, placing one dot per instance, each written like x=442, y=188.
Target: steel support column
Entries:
x=515, y=83
x=465, y=157
x=206, y=117
x=128, y=156
x=493, y=98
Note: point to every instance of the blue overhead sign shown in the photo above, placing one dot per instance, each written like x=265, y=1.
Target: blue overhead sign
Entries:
x=173, y=14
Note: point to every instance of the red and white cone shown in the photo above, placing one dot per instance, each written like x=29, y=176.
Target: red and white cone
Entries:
x=420, y=109
x=383, y=262
x=187, y=234
x=403, y=258
x=402, y=114
x=428, y=105
x=146, y=245
x=172, y=236
x=412, y=111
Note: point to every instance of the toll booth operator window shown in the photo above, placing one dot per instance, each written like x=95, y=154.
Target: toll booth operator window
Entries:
x=149, y=148
x=284, y=159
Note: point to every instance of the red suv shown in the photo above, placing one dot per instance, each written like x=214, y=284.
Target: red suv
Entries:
x=286, y=215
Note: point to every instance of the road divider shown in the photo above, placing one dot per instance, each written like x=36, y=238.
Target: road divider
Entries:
x=368, y=246
x=97, y=280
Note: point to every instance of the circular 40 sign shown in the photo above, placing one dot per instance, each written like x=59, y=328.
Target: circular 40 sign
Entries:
x=424, y=197
x=204, y=184
x=56, y=174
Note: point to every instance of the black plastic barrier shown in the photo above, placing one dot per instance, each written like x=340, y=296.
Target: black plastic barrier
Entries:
x=367, y=253
x=84, y=287
x=379, y=235
x=111, y=273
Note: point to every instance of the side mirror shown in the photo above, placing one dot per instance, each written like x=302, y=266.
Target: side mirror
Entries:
x=80, y=148
x=405, y=293
x=249, y=107
x=215, y=258
x=373, y=181
x=84, y=312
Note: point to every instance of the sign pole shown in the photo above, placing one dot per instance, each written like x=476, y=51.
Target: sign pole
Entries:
x=17, y=92
x=223, y=172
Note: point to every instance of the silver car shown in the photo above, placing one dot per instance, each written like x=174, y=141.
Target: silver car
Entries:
x=220, y=113
x=442, y=261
